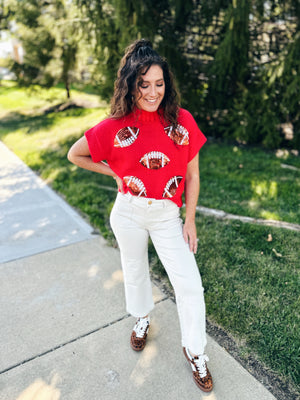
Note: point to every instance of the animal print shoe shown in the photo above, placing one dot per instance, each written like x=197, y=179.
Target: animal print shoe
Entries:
x=139, y=334
x=201, y=374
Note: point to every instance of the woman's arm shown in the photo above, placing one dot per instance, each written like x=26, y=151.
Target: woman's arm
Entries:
x=79, y=154
x=192, y=188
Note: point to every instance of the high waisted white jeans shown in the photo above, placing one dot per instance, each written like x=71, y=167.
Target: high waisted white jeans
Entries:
x=133, y=219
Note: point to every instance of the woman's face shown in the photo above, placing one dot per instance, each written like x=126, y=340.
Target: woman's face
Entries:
x=151, y=89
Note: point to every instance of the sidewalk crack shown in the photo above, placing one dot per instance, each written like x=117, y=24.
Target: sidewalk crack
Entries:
x=64, y=344
x=44, y=353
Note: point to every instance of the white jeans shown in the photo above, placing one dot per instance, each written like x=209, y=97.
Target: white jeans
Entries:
x=133, y=219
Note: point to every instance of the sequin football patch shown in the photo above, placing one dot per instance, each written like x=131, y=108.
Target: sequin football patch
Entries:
x=135, y=185
x=179, y=135
x=154, y=160
x=126, y=136
x=171, y=186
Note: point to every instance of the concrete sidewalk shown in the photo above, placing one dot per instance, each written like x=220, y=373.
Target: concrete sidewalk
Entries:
x=64, y=328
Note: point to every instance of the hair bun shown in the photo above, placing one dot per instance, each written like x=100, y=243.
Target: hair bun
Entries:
x=141, y=48
x=142, y=43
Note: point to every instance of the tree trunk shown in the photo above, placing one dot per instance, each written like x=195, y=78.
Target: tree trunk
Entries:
x=67, y=86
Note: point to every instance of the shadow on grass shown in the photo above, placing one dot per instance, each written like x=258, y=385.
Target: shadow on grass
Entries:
x=91, y=193
x=249, y=182
x=15, y=120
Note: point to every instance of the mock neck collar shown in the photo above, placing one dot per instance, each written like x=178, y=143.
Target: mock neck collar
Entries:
x=148, y=116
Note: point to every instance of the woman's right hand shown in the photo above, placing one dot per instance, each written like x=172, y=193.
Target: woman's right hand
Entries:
x=79, y=154
x=119, y=183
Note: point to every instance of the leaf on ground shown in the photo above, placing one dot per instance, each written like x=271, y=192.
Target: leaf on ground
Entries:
x=276, y=253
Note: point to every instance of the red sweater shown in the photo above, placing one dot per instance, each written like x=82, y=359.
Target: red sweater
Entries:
x=150, y=156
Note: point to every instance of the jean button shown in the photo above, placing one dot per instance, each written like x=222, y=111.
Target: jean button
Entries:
x=149, y=202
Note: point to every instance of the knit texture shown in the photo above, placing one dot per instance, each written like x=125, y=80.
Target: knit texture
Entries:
x=149, y=155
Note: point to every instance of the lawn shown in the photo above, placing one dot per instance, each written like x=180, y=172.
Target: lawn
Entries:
x=250, y=273
x=252, y=288
x=250, y=182
x=236, y=179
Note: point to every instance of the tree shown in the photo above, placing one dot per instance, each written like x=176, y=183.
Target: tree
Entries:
x=50, y=33
x=230, y=68
x=236, y=62
x=6, y=13
x=113, y=24
x=246, y=54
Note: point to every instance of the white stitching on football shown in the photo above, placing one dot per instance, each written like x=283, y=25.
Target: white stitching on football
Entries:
x=154, y=160
x=126, y=136
x=179, y=135
x=135, y=185
x=171, y=186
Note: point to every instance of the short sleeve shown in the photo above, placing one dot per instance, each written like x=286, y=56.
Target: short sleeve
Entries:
x=98, y=138
x=196, y=137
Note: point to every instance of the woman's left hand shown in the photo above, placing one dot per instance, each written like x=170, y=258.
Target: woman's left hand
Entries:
x=190, y=235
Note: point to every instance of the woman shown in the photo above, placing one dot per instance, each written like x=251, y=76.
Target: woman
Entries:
x=151, y=147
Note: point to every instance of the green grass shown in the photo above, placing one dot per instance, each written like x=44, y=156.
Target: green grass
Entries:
x=14, y=98
x=251, y=290
x=250, y=182
x=238, y=180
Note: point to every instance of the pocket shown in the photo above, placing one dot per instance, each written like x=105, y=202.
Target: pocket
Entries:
x=121, y=212
x=172, y=210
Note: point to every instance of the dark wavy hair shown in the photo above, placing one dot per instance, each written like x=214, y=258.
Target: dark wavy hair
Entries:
x=138, y=58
